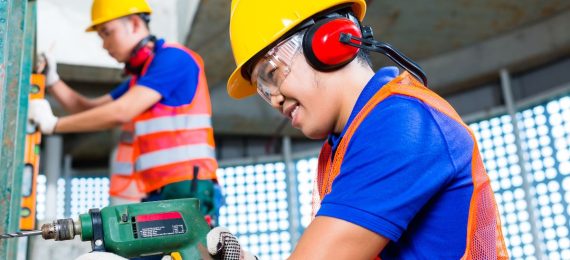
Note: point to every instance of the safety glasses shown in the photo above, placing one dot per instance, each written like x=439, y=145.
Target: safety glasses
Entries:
x=272, y=70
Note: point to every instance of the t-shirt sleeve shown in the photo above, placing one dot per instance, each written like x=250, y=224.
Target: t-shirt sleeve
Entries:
x=120, y=90
x=170, y=71
x=396, y=162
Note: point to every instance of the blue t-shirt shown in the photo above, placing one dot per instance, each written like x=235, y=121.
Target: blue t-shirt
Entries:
x=406, y=175
x=173, y=73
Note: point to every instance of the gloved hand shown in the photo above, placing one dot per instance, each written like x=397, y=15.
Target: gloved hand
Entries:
x=224, y=245
x=50, y=70
x=39, y=112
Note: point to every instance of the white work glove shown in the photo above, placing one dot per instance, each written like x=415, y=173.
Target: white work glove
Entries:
x=39, y=112
x=50, y=70
x=224, y=245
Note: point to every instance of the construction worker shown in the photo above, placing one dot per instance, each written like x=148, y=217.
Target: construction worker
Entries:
x=166, y=148
x=399, y=175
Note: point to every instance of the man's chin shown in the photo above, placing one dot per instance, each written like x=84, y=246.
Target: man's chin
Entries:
x=120, y=60
x=315, y=135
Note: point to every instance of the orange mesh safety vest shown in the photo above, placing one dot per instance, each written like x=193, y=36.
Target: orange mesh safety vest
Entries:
x=484, y=236
x=163, y=144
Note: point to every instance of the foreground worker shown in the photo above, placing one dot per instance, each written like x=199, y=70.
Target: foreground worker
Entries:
x=400, y=175
x=166, y=147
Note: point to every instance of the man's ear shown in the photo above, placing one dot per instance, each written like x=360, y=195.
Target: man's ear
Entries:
x=137, y=23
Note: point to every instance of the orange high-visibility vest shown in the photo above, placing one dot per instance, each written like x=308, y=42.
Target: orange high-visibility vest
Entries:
x=484, y=235
x=163, y=144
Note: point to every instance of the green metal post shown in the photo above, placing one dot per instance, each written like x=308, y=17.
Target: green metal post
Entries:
x=15, y=67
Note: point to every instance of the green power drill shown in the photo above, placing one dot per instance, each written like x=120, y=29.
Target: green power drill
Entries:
x=173, y=227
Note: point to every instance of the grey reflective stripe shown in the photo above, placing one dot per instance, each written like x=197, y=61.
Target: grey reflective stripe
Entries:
x=121, y=168
x=126, y=137
x=172, y=123
x=174, y=155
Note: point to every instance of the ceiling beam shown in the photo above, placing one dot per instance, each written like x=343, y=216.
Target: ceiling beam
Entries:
x=90, y=74
x=518, y=50
x=251, y=116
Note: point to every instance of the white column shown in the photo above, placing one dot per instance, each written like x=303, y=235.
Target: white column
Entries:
x=52, y=158
x=292, y=193
x=512, y=110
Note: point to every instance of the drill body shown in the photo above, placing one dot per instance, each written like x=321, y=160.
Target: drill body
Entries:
x=134, y=230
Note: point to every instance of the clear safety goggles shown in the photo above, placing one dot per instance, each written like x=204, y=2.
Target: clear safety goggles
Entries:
x=272, y=70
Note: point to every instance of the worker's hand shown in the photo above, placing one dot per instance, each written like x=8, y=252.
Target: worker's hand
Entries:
x=100, y=256
x=50, y=69
x=224, y=245
x=40, y=114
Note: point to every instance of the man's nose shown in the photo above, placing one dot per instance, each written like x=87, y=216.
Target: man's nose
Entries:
x=277, y=101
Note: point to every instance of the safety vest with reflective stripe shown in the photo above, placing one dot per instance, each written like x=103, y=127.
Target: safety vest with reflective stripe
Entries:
x=484, y=235
x=163, y=144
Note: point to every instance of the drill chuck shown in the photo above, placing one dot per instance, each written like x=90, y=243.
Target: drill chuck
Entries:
x=61, y=229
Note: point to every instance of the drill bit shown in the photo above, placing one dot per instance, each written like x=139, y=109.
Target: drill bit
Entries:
x=21, y=234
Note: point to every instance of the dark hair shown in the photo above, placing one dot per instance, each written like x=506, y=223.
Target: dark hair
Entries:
x=146, y=18
x=363, y=58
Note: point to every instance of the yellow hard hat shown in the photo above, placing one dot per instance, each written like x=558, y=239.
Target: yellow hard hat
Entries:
x=106, y=10
x=256, y=24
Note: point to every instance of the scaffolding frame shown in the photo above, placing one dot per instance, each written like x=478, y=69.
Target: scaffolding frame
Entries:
x=17, y=36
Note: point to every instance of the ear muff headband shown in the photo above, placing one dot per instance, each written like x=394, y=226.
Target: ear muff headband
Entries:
x=322, y=47
x=333, y=42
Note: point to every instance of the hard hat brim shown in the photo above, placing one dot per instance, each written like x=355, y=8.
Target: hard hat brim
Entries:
x=91, y=28
x=239, y=87
x=121, y=13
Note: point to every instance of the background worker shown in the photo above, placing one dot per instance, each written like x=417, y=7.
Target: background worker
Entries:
x=166, y=147
x=400, y=175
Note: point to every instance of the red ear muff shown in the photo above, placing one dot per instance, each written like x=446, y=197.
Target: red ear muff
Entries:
x=141, y=53
x=322, y=46
x=140, y=56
